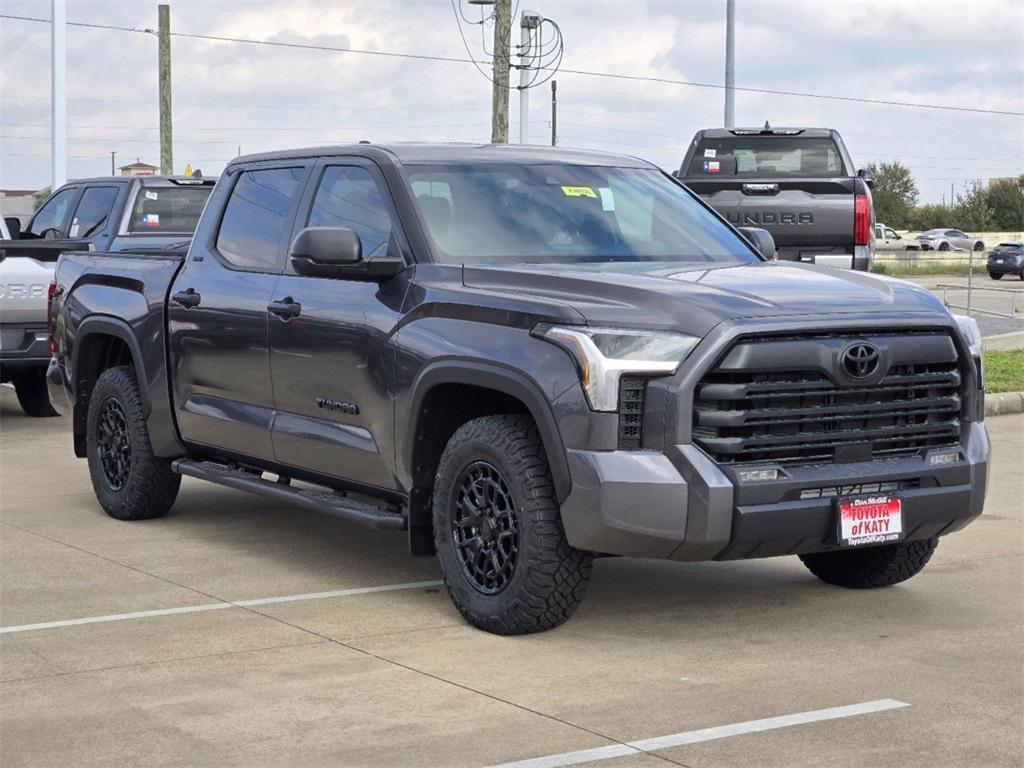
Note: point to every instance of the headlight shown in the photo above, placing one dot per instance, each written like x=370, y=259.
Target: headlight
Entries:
x=972, y=334
x=604, y=354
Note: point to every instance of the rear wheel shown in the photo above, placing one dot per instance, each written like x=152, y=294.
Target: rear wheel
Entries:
x=498, y=530
x=943, y=246
x=979, y=246
x=994, y=276
x=872, y=567
x=30, y=386
x=130, y=482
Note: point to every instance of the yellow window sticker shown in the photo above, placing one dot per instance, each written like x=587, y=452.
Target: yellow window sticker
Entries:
x=579, y=192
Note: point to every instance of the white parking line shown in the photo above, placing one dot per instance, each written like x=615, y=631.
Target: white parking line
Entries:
x=216, y=606
x=704, y=734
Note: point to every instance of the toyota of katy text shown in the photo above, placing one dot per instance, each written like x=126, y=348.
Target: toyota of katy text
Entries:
x=798, y=183
x=524, y=358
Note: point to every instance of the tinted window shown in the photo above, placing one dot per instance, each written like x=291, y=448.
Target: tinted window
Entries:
x=256, y=217
x=568, y=214
x=349, y=197
x=93, y=211
x=173, y=210
x=52, y=214
x=754, y=156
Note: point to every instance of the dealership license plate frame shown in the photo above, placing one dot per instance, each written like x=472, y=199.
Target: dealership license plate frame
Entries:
x=855, y=530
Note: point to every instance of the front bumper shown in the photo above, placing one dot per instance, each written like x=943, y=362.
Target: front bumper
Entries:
x=681, y=505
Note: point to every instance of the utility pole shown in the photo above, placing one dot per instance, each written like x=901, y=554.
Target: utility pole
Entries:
x=500, y=71
x=730, y=63
x=58, y=93
x=112, y=169
x=164, y=65
x=554, y=113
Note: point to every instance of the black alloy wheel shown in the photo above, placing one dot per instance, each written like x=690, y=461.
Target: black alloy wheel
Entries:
x=114, y=444
x=484, y=528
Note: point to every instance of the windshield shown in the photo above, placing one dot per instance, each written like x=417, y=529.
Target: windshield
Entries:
x=567, y=214
x=169, y=210
x=764, y=156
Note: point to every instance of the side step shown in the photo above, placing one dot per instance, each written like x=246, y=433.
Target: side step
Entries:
x=325, y=501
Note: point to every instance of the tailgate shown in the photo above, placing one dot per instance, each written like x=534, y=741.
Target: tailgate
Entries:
x=24, y=283
x=806, y=216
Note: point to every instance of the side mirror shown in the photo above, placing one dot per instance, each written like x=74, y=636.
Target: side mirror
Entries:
x=337, y=252
x=13, y=226
x=761, y=239
x=868, y=176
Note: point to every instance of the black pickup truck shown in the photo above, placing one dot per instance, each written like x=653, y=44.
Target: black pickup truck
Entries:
x=525, y=358
x=798, y=183
x=141, y=213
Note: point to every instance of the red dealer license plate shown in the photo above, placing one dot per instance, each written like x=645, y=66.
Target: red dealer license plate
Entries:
x=870, y=520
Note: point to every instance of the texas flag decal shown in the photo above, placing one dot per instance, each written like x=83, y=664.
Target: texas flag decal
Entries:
x=151, y=219
x=711, y=166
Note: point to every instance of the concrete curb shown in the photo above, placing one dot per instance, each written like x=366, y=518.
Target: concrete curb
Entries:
x=1004, y=341
x=1003, y=403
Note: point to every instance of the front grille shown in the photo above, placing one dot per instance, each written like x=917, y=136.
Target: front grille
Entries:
x=859, y=489
x=631, y=412
x=745, y=415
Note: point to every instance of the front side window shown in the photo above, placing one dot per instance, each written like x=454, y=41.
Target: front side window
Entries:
x=49, y=221
x=349, y=197
x=93, y=211
x=169, y=210
x=256, y=217
x=754, y=156
x=568, y=214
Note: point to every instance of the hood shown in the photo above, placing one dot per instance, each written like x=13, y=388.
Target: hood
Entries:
x=695, y=300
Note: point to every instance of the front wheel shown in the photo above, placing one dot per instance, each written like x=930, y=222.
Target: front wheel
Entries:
x=30, y=387
x=498, y=530
x=130, y=482
x=872, y=567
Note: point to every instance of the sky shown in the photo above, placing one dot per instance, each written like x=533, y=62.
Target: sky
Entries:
x=231, y=97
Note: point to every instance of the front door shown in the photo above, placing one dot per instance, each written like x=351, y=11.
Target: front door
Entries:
x=330, y=358
x=223, y=397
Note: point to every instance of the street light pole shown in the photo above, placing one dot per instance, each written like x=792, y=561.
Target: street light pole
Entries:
x=58, y=93
x=730, y=63
x=524, y=79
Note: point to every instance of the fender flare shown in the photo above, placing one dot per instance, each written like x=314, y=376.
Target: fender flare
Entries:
x=500, y=379
x=112, y=326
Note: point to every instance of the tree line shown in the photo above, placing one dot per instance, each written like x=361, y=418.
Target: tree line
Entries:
x=999, y=207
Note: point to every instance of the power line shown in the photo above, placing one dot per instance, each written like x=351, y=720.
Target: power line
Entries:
x=582, y=72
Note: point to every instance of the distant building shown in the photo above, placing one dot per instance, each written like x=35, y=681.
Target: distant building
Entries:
x=19, y=203
x=139, y=168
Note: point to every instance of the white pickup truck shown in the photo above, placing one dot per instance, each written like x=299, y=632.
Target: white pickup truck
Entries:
x=141, y=214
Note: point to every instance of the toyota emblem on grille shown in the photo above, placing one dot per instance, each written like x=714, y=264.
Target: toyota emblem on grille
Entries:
x=860, y=360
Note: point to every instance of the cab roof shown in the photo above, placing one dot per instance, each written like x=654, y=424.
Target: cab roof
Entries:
x=456, y=153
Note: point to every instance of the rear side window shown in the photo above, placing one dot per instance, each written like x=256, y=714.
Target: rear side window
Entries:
x=256, y=217
x=93, y=211
x=170, y=210
x=49, y=221
x=762, y=156
x=349, y=197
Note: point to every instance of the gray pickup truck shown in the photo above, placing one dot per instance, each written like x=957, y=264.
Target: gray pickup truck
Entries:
x=524, y=357
x=798, y=183
x=138, y=213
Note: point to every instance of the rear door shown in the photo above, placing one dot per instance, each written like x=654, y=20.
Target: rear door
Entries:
x=331, y=359
x=217, y=310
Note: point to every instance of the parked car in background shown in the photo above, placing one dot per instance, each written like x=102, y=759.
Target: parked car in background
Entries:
x=524, y=357
x=152, y=213
x=797, y=183
x=946, y=240
x=1006, y=259
x=883, y=232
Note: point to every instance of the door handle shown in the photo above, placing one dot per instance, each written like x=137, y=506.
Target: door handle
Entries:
x=187, y=298
x=285, y=308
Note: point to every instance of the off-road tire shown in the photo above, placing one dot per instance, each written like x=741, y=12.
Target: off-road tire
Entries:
x=151, y=486
x=30, y=387
x=995, y=276
x=550, y=577
x=873, y=567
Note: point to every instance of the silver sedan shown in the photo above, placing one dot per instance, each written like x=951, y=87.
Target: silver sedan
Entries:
x=949, y=240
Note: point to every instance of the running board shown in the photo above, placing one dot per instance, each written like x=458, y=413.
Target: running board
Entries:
x=328, y=502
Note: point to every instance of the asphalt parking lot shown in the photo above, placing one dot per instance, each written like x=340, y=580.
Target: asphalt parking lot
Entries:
x=234, y=656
